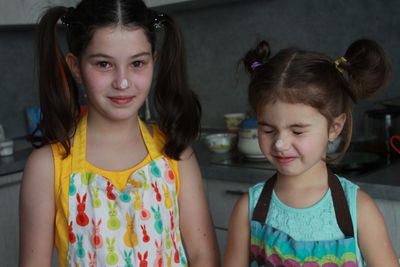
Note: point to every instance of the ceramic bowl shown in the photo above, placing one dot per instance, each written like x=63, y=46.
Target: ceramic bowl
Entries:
x=6, y=147
x=221, y=142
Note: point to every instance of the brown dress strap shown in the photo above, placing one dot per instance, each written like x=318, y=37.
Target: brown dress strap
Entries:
x=261, y=210
x=342, y=211
x=341, y=207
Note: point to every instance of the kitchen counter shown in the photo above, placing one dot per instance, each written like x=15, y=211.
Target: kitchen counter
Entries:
x=383, y=183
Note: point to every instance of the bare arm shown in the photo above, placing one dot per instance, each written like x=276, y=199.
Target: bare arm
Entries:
x=37, y=210
x=238, y=244
x=195, y=219
x=372, y=234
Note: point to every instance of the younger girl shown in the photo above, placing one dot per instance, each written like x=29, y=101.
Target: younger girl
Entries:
x=305, y=215
x=106, y=188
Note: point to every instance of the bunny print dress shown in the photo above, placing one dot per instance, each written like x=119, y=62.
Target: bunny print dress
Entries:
x=127, y=218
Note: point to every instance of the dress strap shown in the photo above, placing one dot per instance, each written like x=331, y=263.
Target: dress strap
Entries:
x=78, y=152
x=342, y=212
x=261, y=210
x=151, y=146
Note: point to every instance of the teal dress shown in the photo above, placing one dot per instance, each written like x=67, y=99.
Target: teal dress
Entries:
x=322, y=235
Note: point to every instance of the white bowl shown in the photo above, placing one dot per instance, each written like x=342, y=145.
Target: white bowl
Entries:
x=221, y=142
x=250, y=147
x=6, y=148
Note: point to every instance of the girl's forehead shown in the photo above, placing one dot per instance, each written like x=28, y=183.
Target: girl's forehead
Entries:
x=118, y=39
x=279, y=112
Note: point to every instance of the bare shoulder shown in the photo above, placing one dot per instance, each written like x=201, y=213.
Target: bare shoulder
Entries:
x=366, y=206
x=40, y=162
x=188, y=154
x=39, y=170
x=241, y=207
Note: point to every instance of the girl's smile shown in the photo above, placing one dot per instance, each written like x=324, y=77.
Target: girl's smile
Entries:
x=121, y=100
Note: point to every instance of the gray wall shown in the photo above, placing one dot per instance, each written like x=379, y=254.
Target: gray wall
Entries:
x=217, y=36
x=17, y=89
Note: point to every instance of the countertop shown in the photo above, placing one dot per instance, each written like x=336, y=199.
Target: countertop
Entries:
x=382, y=183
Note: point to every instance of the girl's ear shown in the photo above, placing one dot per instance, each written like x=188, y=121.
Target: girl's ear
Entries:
x=73, y=64
x=337, y=126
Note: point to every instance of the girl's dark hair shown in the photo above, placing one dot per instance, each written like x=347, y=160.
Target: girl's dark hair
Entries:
x=298, y=76
x=178, y=107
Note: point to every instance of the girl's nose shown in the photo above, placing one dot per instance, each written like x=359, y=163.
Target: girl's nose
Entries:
x=280, y=144
x=121, y=84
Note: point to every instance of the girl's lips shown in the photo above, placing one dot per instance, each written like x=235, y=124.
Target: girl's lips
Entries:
x=121, y=100
x=284, y=160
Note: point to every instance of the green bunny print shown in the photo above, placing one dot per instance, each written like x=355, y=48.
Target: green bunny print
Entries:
x=87, y=178
x=112, y=257
x=96, y=199
x=112, y=222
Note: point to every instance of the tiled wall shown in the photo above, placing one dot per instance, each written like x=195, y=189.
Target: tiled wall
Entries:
x=216, y=37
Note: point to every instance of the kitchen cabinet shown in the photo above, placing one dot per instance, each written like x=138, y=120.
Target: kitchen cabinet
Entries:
x=9, y=237
x=222, y=196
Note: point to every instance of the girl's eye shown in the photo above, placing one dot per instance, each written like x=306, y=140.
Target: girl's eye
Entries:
x=138, y=64
x=103, y=64
x=297, y=132
x=267, y=130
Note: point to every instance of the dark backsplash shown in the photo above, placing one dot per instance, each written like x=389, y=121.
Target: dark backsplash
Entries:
x=216, y=37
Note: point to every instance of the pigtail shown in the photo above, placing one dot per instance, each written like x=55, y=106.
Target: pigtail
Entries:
x=255, y=58
x=367, y=67
x=178, y=107
x=57, y=90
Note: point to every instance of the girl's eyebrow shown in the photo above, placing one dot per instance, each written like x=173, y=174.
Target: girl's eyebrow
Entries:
x=108, y=56
x=300, y=125
x=295, y=125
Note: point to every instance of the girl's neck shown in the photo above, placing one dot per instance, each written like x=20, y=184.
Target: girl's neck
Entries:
x=303, y=191
x=99, y=127
x=316, y=176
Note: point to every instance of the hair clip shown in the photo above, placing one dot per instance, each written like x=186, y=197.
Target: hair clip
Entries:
x=255, y=65
x=66, y=18
x=159, y=20
x=338, y=62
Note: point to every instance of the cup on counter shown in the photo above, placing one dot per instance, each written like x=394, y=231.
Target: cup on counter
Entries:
x=233, y=120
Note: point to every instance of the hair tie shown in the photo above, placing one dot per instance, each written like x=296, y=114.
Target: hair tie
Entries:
x=66, y=18
x=158, y=20
x=255, y=65
x=338, y=62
